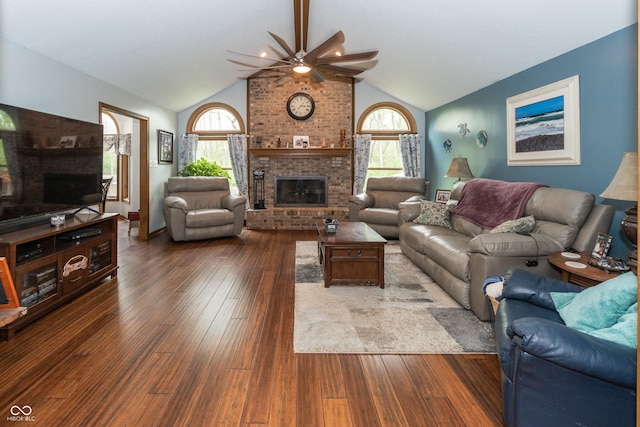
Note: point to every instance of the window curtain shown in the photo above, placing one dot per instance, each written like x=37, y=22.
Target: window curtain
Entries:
x=239, y=162
x=361, y=150
x=187, y=150
x=121, y=143
x=410, y=150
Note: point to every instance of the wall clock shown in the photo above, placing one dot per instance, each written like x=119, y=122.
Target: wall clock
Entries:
x=300, y=106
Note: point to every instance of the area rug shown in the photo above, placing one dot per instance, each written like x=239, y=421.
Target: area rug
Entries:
x=411, y=315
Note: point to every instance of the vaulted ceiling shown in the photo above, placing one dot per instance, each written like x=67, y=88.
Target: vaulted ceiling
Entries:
x=175, y=53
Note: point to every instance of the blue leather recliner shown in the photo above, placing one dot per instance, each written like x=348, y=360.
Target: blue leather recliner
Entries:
x=553, y=375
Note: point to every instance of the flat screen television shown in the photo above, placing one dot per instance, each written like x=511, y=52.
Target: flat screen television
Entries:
x=49, y=165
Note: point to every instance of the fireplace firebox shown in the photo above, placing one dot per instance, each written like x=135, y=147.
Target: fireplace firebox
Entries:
x=300, y=191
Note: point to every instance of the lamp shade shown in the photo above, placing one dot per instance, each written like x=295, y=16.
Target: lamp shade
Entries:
x=624, y=185
x=459, y=169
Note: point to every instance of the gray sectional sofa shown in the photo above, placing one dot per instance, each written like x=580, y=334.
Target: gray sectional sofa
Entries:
x=460, y=257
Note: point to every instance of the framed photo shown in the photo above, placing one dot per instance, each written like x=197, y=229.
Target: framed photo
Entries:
x=442, y=196
x=165, y=146
x=601, y=248
x=68, y=141
x=300, y=141
x=543, y=125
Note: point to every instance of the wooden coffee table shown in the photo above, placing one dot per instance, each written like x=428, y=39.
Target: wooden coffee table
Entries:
x=352, y=255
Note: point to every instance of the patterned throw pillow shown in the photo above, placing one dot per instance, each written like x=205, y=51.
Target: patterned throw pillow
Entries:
x=523, y=225
x=433, y=213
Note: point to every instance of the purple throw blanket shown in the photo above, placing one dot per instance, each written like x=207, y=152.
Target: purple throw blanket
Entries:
x=488, y=203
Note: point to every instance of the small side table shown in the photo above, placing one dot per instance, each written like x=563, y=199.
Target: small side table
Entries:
x=587, y=277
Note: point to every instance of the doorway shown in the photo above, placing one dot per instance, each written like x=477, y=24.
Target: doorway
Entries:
x=141, y=128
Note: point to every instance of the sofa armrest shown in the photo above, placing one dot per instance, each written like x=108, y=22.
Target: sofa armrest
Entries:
x=575, y=350
x=534, y=288
x=176, y=202
x=230, y=201
x=514, y=245
x=409, y=210
x=362, y=200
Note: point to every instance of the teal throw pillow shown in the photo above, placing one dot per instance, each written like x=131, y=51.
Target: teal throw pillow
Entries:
x=523, y=225
x=624, y=331
x=597, y=307
x=433, y=213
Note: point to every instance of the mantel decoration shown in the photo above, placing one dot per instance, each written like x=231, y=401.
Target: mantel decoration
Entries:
x=543, y=125
x=165, y=146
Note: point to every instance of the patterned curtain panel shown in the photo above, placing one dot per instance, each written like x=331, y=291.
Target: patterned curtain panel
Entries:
x=187, y=150
x=124, y=144
x=239, y=162
x=410, y=150
x=361, y=149
x=121, y=143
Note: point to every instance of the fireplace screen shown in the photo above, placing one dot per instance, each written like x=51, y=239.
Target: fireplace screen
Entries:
x=301, y=191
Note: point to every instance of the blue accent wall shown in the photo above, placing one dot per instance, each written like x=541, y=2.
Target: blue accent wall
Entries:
x=608, y=70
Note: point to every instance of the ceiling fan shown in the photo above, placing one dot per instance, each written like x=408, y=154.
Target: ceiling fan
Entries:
x=322, y=58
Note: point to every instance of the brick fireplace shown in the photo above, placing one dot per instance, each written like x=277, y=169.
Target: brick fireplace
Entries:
x=269, y=121
x=336, y=165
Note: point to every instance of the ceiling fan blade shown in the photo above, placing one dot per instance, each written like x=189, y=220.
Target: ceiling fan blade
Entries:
x=353, y=57
x=259, y=57
x=316, y=75
x=332, y=42
x=301, y=23
x=283, y=44
x=340, y=70
x=364, y=65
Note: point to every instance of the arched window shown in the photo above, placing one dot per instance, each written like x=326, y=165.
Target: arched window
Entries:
x=385, y=122
x=212, y=122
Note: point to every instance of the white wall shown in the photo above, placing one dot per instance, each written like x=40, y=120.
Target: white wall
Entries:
x=32, y=81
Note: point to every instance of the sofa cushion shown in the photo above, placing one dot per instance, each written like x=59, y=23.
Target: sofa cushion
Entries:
x=208, y=218
x=464, y=226
x=600, y=306
x=202, y=199
x=433, y=213
x=624, y=331
x=379, y=216
x=560, y=212
x=522, y=225
x=444, y=246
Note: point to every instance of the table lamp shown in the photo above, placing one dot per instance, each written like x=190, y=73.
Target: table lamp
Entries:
x=624, y=186
x=459, y=168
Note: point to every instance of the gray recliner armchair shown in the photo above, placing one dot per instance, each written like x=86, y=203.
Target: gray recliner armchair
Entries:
x=198, y=207
x=378, y=206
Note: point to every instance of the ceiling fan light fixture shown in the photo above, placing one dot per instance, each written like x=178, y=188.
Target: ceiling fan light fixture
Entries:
x=300, y=67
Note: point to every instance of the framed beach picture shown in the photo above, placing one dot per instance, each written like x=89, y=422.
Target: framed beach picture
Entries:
x=543, y=125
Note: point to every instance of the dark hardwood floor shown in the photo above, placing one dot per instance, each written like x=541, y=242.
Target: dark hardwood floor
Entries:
x=201, y=334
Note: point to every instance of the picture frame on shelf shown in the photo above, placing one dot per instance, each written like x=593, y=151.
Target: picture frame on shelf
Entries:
x=165, y=146
x=601, y=247
x=543, y=125
x=300, y=141
x=442, y=196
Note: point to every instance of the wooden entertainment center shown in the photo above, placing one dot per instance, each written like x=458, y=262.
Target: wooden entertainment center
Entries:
x=52, y=265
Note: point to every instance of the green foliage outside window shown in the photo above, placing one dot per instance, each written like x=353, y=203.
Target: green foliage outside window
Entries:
x=203, y=167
